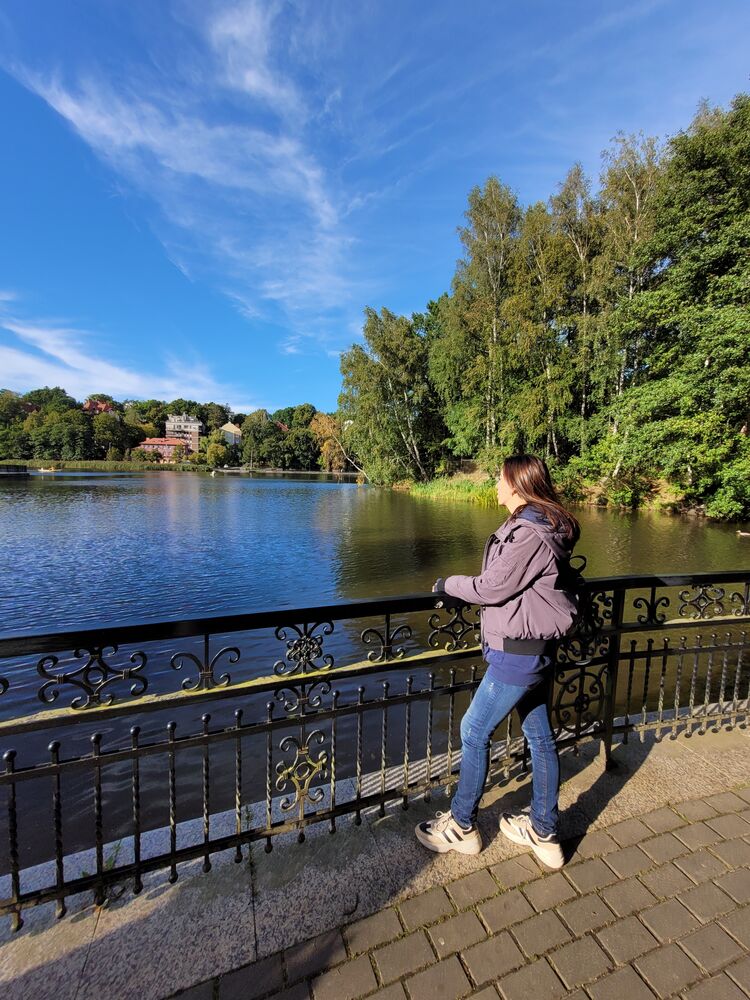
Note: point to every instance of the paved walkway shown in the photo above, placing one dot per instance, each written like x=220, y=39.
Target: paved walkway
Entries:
x=655, y=900
x=654, y=905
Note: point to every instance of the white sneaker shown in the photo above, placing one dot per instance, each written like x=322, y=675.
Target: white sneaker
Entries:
x=517, y=827
x=443, y=834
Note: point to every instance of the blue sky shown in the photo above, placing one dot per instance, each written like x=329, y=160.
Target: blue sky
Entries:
x=199, y=197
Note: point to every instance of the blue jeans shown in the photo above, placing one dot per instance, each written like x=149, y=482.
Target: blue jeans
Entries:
x=493, y=700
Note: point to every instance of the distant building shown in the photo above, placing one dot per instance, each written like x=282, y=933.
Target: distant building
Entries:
x=165, y=446
x=232, y=433
x=282, y=427
x=95, y=406
x=188, y=429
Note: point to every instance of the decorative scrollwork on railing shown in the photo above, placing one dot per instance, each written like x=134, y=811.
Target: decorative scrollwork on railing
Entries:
x=707, y=602
x=652, y=604
x=92, y=678
x=297, y=698
x=385, y=640
x=581, y=650
x=207, y=678
x=741, y=600
x=455, y=629
x=580, y=699
x=302, y=770
x=304, y=650
x=596, y=612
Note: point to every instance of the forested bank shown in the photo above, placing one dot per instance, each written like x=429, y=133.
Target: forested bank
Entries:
x=606, y=329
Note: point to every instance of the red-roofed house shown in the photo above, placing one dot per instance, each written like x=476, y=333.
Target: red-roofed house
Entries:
x=97, y=406
x=165, y=446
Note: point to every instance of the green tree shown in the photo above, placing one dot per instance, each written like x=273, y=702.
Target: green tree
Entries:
x=54, y=400
x=11, y=408
x=216, y=454
x=302, y=415
x=690, y=416
x=388, y=408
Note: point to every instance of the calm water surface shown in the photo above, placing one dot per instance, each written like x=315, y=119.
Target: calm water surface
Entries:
x=80, y=550
x=84, y=549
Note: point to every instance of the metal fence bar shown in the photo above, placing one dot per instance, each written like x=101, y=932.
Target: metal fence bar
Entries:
x=305, y=755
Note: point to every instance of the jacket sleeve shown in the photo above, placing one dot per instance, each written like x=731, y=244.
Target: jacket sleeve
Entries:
x=516, y=566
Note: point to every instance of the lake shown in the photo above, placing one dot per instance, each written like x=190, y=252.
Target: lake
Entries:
x=84, y=549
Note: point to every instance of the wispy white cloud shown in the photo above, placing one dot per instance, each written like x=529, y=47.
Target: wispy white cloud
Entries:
x=44, y=352
x=243, y=199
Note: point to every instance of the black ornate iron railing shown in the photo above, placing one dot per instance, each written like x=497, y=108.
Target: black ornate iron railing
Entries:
x=358, y=705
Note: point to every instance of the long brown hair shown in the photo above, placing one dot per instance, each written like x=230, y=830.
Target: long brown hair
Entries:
x=530, y=478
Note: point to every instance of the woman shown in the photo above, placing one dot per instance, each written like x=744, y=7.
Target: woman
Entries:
x=527, y=600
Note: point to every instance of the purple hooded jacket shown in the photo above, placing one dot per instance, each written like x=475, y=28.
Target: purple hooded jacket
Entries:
x=522, y=584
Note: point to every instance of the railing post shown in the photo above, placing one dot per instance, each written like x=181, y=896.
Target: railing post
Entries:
x=613, y=666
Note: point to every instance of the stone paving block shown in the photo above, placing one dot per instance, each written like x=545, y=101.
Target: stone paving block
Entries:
x=426, y=908
x=726, y=802
x=711, y=947
x=253, y=980
x=488, y=993
x=718, y=987
x=456, y=933
x=534, y=980
x=701, y=865
x=587, y=914
x=313, y=956
x=372, y=931
x=738, y=925
x=592, y=874
x=401, y=957
x=347, y=981
x=549, y=891
x=506, y=909
x=695, y=810
x=444, y=981
x=628, y=832
x=744, y=793
x=667, y=970
x=472, y=888
x=663, y=848
x=393, y=992
x=706, y=901
x=596, y=844
x=627, y=939
x=300, y=991
x=735, y=853
x=580, y=962
x=740, y=973
x=492, y=959
x=737, y=884
x=729, y=826
x=516, y=871
x=623, y=983
x=669, y=920
x=541, y=933
x=663, y=820
x=666, y=881
x=627, y=897
x=629, y=861
x=697, y=835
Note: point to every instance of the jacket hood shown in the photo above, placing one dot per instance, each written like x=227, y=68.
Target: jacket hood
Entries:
x=555, y=539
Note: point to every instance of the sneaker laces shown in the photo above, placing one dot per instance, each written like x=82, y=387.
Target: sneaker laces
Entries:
x=441, y=821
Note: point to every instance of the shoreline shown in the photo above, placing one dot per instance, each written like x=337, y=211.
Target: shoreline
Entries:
x=478, y=489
